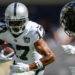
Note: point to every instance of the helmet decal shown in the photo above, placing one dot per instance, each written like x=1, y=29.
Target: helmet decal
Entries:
x=15, y=5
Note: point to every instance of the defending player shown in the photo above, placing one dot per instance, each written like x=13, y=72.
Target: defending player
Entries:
x=67, y=20
x=26, y=37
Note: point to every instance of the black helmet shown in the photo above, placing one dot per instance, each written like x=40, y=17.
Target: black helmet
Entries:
x=67, y=18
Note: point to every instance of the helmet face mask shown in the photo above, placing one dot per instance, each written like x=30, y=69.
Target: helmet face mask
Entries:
x=69, y=33
x=16, y=26
x=67, y=18
x=16, y=17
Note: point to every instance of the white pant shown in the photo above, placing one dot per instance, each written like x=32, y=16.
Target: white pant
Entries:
x=25, y=73
x=28, y=73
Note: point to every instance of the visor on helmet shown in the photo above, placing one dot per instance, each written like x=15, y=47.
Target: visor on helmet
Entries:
x=16, y=25
x=70, y=22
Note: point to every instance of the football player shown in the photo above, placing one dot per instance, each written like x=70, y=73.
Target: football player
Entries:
x=32, y=53
x=67, y=20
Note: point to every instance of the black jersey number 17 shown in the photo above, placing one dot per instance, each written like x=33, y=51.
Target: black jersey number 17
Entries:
x=26, y=50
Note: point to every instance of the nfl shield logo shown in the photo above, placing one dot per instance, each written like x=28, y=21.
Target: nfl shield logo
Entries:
x=26, y=39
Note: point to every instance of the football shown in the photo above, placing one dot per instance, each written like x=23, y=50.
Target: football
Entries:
x=7, y=49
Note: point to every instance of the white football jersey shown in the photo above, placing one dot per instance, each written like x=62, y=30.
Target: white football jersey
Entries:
x=24, y=43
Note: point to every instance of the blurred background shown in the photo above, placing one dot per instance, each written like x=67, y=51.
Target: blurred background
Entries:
x=46, y=13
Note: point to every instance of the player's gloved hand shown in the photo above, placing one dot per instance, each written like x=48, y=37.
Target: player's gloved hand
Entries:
x=19, y=68
x=5, y=58
x=69, y=49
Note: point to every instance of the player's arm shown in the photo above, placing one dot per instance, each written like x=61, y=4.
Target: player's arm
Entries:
x=42, y=47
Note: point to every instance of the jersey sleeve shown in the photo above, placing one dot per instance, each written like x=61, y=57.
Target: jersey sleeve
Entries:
x=38, y=33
